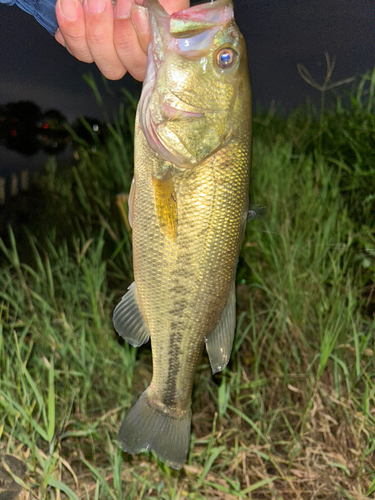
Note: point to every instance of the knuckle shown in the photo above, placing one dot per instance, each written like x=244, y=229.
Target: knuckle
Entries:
x=137, y=68
x=74, y=37
x=123, y=43
x=97, y=36
x=79, y=52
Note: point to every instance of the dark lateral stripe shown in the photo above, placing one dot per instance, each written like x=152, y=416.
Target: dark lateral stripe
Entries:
x=174, y=368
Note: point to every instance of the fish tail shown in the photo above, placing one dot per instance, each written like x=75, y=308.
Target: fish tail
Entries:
x=147, y=427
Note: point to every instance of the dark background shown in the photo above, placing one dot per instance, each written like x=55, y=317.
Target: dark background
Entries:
x=279, y=33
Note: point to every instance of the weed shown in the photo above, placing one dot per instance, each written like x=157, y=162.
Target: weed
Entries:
x=292, y=416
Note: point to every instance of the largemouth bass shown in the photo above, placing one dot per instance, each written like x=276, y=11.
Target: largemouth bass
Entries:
x=188, y=207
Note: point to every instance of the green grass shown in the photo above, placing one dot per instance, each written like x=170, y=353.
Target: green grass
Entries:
x=292, y=416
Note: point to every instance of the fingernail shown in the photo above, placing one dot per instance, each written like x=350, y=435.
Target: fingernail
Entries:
x=95, y=6
x=140, y=19
x=122, y=9
x=69, y=9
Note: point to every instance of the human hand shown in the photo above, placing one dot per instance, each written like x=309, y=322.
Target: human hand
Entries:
x=115, y=37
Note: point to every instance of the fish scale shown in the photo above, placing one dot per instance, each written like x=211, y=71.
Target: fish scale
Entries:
x=189, y=209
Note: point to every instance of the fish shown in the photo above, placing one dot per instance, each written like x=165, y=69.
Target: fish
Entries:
x=188, y=206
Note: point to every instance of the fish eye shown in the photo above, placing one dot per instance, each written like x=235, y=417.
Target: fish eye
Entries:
x=226, y=58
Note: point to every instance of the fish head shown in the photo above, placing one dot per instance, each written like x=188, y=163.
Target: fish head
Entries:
x=197, y=65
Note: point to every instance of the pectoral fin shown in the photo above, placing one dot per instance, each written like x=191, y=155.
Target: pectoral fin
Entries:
x=128, y=319
x=131, y=202
x=219, y=342
x=166, y=204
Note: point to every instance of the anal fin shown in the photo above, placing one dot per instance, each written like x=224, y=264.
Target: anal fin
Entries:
x=219, y=342
x=128, y=319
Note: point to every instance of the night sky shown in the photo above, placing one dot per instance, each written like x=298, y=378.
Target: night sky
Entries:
x=279, y=33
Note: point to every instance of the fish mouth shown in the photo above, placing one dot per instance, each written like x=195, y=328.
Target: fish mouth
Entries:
x=201, y=16
x=189, y=22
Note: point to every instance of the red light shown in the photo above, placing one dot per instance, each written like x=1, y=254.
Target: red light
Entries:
x=45, y=126
x=13, y=133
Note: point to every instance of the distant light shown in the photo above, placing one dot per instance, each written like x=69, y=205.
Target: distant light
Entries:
x=95, y=127
x=13, y=133
x=45, y=126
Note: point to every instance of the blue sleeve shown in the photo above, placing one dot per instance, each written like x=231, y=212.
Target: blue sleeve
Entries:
x=42, y=10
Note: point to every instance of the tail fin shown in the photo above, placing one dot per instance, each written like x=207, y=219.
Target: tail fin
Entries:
x=147, y=428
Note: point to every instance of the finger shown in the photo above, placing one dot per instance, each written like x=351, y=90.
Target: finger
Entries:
x=140, y=20
x=59, y=38
x=139, y=16
x=174, y=5
x=170, y=5
x=72, y=33
x=99, y=34
x=126, y=41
